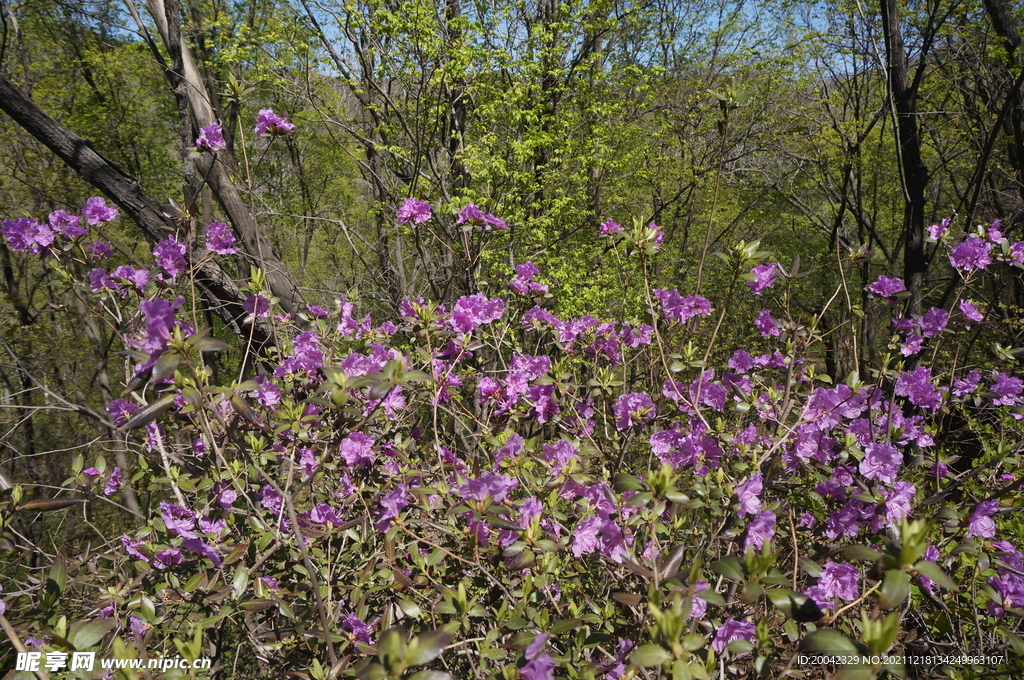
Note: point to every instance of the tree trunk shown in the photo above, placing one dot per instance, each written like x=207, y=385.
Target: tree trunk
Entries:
x=913, y=174
x=214, y=169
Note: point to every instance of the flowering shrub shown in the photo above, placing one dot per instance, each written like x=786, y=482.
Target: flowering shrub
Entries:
x=496, y=491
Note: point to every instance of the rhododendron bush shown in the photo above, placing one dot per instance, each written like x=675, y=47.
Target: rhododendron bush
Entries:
x=488, y=489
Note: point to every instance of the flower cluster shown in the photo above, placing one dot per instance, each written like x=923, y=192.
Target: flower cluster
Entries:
x=269, y=123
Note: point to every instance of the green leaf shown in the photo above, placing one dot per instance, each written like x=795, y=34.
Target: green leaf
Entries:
x=85, y=634
x=830, y=642
x=649, y=656
x=426, y=647
x=565, y=625
x=895, y=589
x=623, y=482
x=516, y=623
x=194, y=581
x=693, y=642
x=640, y=499
x=206, y=343
x=149, y=413
x=628, y=599
x=861, y=553
x=410, y=608
x=391, y=647
x=935, y=573
x=431, y=675
x=240, y=582
x=50, y=504
x=165, y=366
x=712, y=597
x=1015, y=641
x=740, y=646
x=58, y=578
x=796, y=606
x=372, y=671
x=669, y=564
x=730, y=567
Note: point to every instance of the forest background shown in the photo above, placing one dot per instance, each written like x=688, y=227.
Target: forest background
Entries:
x=828, y=134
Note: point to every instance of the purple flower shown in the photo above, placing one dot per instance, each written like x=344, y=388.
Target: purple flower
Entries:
x=211, y=138
x=114, y=483
x=659, y=234
x=26, y=234
x=609, y=227
x=886, y=287
x=356, y=628
x=392, y=502
x=681, y=308
x=178, y=520
x=512, y=448
x=132, y=548
x=971, y=253
x=969, y=310
x=487, y=484
x=170, y=257
x=414, y=210
x=357, y=449
x=912, y=345
x=917, y=386
x=322, y=514
x=522, y=282
x=96, y=211
x=937, y=231
x=167, y=558
x=219, y=238
x=308, y=462
x=1017, y=253
x=91, y=472
x=257, y=306
x=138, y=628
x=226, y=498
x=1007, y=388
x=541, y=668
x=471, y=214
x=271, y=583
x=202, y=548
x=601, y=534
x=641, y=336
x=69, y=225
x=741, y=361
x=633, y=409
x=121, y=410
x=617, y=668
x=980, y=523
x=159, y=314
x=747, y=493
x=537, y=646
x=762, y=277
x=267, y=123
x=767, y=325
x=101, y=251
x=732, y=629
x=495, y=223
x=760, y=529
x=306, y=356
x=473, y=310
x=897, y=502
x=271, y=499
x=881, y=462
x=839, y=580
x=934, y=322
